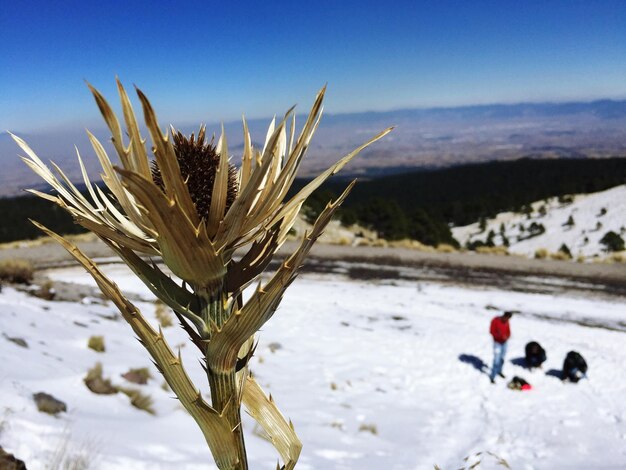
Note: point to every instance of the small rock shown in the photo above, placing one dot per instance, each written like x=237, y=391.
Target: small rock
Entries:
x=9, y=461
x=398, y=318
x=19, y=341
x=274, y=347
x=48, y=404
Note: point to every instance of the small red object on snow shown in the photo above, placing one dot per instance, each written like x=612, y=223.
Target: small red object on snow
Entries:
x=527, y=387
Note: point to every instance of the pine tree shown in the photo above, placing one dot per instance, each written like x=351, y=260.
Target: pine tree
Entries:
x=612, y=242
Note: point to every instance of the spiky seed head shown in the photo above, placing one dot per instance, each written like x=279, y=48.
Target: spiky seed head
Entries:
x=198, y=161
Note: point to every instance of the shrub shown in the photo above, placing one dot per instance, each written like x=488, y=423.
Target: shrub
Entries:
x=493, y=250
x=565, y=250
x=445, y=248
x=411, y=244
x=534, y=230
x=16, y=270
x=560, y=256
x=541, y=253
x=96, y=343
x=542, y=211
x=617, y=258
x=343, y=241
x=612, y=242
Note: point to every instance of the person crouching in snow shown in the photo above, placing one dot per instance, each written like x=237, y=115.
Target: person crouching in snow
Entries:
x=501, y=332
x=574, y=367
x=535, y=355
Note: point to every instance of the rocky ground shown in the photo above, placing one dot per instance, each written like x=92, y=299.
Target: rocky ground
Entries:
x=364, y=262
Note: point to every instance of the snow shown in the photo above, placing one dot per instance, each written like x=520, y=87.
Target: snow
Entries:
x=593, y=214
x=374, y=375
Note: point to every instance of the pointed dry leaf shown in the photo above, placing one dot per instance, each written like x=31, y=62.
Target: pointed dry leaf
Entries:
x=280, y=431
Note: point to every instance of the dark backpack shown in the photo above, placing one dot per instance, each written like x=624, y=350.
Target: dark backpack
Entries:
x=535, y=354
x=574, y=362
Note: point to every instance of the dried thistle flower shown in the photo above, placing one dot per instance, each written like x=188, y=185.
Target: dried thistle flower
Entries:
x=192, y=209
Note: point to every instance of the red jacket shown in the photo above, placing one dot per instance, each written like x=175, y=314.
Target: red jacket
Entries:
x=500, y=330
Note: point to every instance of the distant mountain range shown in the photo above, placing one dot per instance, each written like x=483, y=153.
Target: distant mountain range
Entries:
x=423, y=138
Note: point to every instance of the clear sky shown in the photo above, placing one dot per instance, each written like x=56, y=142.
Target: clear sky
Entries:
x=211, y=61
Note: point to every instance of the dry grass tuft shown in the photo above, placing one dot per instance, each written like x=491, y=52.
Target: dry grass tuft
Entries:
x=343, y=241
x=541, y=253
x=139, y=376
x=371, y=428
x=445, y=248
x=101, y=386
x=16, y=271
x=46, y=291
x=163, y=314
x=411, y=244
x=560, y=256
x=96, y=343
x=98, y=384
x=69, y=455
x=139, y=400
x=493, y=250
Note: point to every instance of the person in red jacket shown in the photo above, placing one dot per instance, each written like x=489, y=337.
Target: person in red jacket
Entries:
x=501, y=331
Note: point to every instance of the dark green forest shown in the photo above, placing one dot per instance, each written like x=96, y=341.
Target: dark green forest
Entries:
x=15, y=212
x=421, y=205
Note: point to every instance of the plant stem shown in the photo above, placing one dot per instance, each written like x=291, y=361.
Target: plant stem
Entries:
x=224, y=395
x=223, y=383
x=213, y=307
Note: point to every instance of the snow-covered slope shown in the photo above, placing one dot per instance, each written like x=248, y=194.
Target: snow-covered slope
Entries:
x=374, y=376
x=593, y=215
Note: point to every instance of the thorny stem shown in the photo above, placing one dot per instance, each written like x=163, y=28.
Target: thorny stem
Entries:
x=223, y=383
x=224, y=393
x=213, y=307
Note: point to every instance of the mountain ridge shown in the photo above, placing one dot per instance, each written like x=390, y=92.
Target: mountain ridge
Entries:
x=435, y=137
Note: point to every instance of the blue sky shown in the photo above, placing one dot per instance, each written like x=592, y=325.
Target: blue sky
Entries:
x=212, y=61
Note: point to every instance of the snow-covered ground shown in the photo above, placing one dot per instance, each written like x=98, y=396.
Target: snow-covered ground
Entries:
x=374, y=375
x=593, y=215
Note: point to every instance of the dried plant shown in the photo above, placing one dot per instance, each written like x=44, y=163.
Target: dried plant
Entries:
x=191, y=209
x=96, y=343
x=18, y=271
